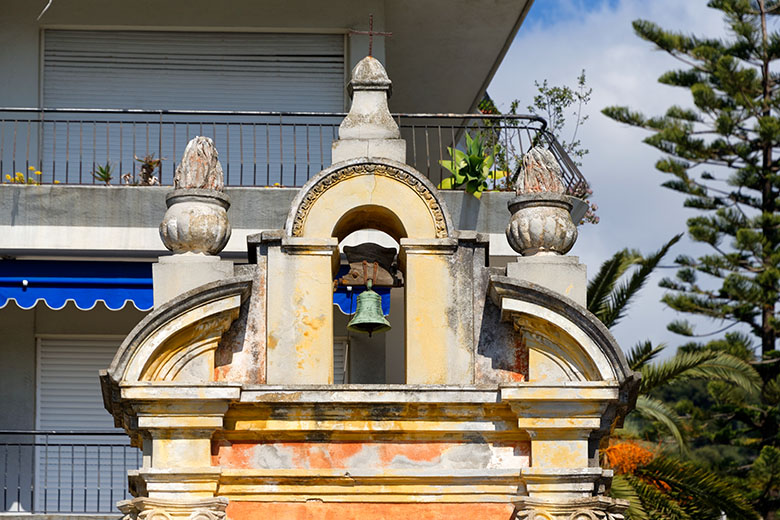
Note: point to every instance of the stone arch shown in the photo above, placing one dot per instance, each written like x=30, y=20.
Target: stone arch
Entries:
x=367, y=189
x=176, y=342
x=370, y=216
x=566, y=342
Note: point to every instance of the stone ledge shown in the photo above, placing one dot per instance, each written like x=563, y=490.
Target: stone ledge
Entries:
x=59, y=516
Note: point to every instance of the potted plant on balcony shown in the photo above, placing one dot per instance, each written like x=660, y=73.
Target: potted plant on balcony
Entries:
x=147, y=177
x=471, y=169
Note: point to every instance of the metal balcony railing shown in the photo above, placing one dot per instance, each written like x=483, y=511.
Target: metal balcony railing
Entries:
x=67, y=146
x=64, y=471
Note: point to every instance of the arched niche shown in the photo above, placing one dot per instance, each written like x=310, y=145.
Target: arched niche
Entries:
x=335, y=200
x=367, y=194
x=565, y=341
x=176, y=342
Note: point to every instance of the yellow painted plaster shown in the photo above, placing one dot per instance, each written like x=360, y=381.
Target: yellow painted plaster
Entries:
x=300, y=318
x=559, y=453
x=430, y=335
x=356, y=192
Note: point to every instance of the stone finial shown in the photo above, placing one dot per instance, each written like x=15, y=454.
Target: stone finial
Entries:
x=369, y=129
x=199, y=167
x=196, y=220
x=541, y=173
x=541, y=213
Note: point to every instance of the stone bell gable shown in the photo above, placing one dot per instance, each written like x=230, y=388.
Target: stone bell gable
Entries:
x=511, y=385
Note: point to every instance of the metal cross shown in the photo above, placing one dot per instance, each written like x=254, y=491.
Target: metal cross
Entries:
x=370, y=32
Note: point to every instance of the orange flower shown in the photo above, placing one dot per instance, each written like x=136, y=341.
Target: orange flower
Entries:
x=626, y=457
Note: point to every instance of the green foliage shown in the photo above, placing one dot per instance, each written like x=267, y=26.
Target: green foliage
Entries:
x=692, y=492
x=471, y=169
x=722, y=153
x=669, y=487
x=764, y=477
x=146, y=177
x=609, y=301
x=103, y=173
x=562, y=107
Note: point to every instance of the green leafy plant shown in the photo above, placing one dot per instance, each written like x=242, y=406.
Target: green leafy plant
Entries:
x=471, y=169
x=146, y=177
x=657, y=484
x=103, y=173
x=720, y=151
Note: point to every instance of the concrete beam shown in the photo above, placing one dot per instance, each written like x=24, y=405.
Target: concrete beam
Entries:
x=98, y=221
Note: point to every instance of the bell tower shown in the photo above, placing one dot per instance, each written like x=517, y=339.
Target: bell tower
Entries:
x=510, y=386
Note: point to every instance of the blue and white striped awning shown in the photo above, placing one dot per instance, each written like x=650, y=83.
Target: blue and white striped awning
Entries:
x=115, y=284
x=55, y=283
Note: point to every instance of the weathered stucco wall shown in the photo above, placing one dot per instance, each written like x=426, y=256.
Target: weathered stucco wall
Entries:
x=124, y=221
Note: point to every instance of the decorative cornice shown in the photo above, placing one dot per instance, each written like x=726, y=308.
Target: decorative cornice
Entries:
x=592, y=508
x=399, y=486
x=144, y=508
x=310, y=194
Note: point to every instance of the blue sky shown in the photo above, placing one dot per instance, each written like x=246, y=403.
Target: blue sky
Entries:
x=558, y=39
x=550, y=12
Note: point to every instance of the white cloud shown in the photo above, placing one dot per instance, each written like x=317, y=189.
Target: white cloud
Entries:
x=622, y=69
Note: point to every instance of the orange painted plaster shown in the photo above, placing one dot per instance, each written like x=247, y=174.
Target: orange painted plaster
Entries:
x=332, y=455
x=363, y=511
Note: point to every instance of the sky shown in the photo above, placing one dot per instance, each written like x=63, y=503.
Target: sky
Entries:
x=558, y=39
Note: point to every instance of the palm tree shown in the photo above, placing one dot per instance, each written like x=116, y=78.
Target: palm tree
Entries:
x=662, y=486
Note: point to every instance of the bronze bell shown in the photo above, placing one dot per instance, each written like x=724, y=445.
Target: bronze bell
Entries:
x=368, y=315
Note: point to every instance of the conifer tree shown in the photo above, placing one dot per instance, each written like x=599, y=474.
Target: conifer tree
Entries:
x=723, y=154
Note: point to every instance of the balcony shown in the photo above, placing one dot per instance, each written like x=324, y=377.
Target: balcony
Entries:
x=256, y=148
x=64, y=472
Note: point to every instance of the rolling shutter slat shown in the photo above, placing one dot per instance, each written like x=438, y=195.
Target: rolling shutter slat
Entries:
x=186, y=70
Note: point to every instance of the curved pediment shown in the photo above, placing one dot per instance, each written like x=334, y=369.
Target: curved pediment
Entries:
x=569, y=343
x=176, y=342
x=356, y=189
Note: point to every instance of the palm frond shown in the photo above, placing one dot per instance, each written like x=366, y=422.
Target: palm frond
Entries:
x=614, y=309
x=660, y=505
x=601, y=285
x=704, y=493
x=643, y=353
x=655, y=410
x=622, y=489
x=705, y=364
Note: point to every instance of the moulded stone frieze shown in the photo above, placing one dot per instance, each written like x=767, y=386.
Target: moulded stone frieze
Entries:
x=327, y=179
x=143, y=508
x=591, y=508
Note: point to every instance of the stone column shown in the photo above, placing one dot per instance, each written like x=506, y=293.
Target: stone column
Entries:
x=195, y=227
x=177, y=481
x=561, y=484
x=438, y=323
x=300, y=310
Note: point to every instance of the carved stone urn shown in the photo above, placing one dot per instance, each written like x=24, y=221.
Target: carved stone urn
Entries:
x=196, y=221
x=541, y=224
x=541, y=214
